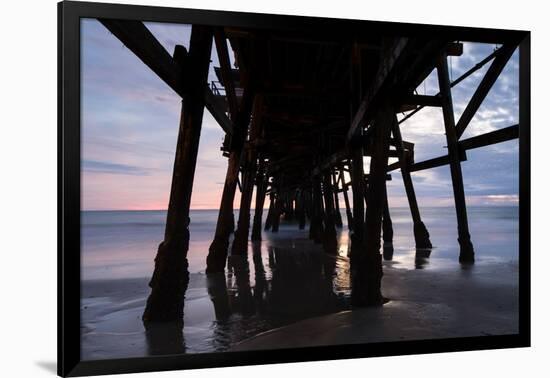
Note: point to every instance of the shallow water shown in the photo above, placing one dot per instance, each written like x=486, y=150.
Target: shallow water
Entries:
x=285, y=278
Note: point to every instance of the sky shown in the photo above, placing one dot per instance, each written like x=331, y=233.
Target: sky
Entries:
x=130, y=120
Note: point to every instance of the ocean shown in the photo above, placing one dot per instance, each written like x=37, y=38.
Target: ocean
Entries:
x=123, y=244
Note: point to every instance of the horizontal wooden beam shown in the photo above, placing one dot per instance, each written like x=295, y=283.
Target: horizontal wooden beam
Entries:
x=138, y=39
x=435, y=162
x=423, y=100
x=487, y=139
x=366, y=176
x=493, y=137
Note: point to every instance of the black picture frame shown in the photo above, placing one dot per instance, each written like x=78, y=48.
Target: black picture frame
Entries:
x=69, y=361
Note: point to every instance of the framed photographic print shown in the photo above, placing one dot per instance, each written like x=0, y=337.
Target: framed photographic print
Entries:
x=239, y=188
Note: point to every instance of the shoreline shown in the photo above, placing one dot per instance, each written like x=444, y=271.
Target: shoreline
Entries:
x=423, y=304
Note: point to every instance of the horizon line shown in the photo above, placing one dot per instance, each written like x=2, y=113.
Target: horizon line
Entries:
x=341, y=209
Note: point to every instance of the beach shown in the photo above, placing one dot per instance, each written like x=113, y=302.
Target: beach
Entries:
x=288, y=292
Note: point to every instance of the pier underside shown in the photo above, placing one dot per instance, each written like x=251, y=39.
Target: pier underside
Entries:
x=311, y=117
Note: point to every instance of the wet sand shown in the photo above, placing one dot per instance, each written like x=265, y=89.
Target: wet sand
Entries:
x=476, y=301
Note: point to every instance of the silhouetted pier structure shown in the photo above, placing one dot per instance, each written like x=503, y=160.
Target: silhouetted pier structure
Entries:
x=301, y=110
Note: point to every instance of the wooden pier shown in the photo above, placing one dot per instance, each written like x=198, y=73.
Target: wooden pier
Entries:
x=301, y=110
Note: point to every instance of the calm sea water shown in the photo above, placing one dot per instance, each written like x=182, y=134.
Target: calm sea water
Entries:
x=123, y=244
x=285, y=278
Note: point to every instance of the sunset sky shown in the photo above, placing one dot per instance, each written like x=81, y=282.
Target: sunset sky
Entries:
x=130, y=121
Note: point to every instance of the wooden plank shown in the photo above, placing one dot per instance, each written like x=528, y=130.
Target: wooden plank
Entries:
x=138, y=39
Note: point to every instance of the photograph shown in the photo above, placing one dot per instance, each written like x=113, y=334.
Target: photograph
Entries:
x=247, y=188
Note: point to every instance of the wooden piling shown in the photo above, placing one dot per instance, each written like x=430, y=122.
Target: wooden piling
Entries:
x=261, y=186
x=316, y=224
x=217, y=291
x=329, y=235
x=289, y=207
x=337, y=215
x=524, y=118
x=356, y=168
x=466, y=247
x=277, y=210
x=217, y=253
x=307, y=204
x=366, y=264
x=301, y=206
x=349, y=215
x=421, y=235
x=387, y=226
x=358, y=192
x=170, y=277
x=240, y=242
x=270, y=212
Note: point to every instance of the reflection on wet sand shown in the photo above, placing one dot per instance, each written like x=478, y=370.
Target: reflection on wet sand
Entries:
x=300, y=285
x=294, y=284
x=421, y=258
x=217, y=290
x=260, y=288
x=165, y=338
